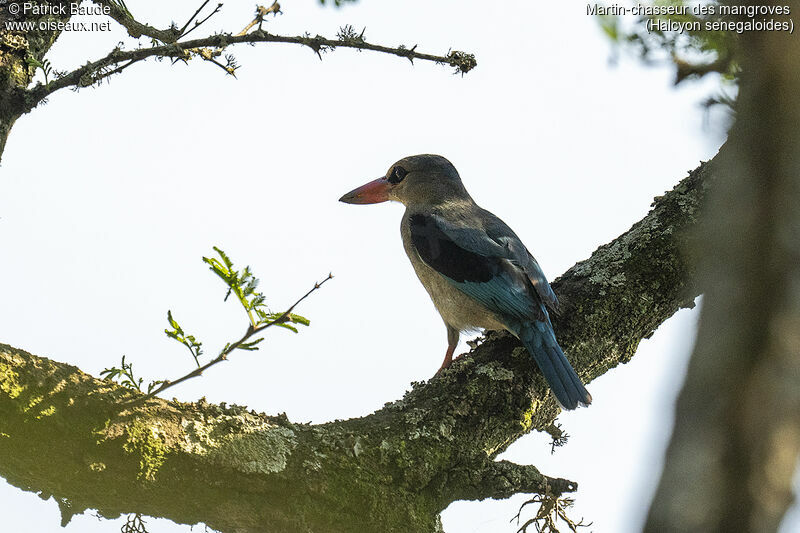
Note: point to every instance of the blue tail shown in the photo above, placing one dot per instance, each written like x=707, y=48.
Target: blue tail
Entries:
x=540, y=340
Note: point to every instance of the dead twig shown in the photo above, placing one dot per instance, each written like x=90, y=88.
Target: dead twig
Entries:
x=552, y=509
x=261, y=12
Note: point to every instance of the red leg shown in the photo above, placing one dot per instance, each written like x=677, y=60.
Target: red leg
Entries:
x=452, y=342
x=448, y=358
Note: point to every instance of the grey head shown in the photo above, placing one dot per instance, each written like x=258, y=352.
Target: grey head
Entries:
x=414, y=180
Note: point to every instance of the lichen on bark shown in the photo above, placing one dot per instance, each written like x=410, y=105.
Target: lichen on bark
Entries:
x=394, y=470
x=19, y=50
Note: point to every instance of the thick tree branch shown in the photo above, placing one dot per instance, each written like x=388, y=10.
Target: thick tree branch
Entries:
x=393, y=470
x=503, y=479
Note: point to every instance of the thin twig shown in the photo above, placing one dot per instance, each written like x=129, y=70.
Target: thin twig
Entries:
x=117, y=70
x=461, y=61
x=201, y=22
x=286, y=313
x=223, y=67
x=228, y=349
x=199, y=9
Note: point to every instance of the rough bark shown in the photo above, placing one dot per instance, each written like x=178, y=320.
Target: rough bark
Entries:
x=736, y=442
x=63, y=432
x=17, y=50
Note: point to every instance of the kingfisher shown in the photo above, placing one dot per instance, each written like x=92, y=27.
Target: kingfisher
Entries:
x=474, y=267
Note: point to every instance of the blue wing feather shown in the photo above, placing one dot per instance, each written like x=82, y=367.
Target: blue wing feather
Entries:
x=501, y=275
x=496, y=240
x=492, y=280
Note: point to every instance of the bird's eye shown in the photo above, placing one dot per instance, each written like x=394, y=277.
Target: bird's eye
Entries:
x=397, y=175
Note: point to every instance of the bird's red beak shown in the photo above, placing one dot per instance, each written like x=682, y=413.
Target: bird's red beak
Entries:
x=374, y=192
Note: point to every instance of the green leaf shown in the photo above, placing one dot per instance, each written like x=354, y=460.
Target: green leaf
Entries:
x=124, y=376
x=154, y=384
x=250, y=346
x=610, y=26
x=33, y=62
x=173, y=323
x=286, y=326
x=177, y=333
x=297, y=319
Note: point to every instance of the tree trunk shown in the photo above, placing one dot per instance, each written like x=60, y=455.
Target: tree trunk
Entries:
x=733, y=453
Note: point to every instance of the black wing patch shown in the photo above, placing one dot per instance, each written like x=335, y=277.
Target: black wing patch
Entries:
x=442, y=254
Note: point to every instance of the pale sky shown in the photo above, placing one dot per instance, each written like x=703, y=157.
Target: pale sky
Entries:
x=109, y=198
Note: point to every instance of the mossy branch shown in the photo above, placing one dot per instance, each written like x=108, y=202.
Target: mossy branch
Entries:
x=503, y=479
x=393, y=470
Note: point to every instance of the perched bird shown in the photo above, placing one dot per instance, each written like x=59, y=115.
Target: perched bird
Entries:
x=476, y=270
